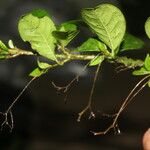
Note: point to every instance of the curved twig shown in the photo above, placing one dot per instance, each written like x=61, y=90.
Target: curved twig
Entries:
x=8, y=116
x=129, y=98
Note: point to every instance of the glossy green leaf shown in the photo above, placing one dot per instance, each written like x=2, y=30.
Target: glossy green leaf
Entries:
x=43, y=65
x=108, y=22
x=92, y=45
x=37, y=72
x=131, y=42
x=37, y=30
x=97, y=60
x=147, y=27
x=147, y=62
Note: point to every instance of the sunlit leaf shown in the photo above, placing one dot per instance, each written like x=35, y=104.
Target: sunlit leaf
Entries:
x=37, y=28
x=147, y=27
x=97, y=60
x=131, y=42
x=108, y=22
x=92, y=45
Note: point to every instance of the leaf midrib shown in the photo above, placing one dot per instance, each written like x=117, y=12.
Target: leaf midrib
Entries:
x=46, y=41
x=105, y=30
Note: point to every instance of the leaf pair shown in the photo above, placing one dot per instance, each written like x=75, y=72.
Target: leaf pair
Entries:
x=39, y=30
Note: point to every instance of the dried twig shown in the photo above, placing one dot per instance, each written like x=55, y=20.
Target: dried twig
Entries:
x=138, y=87
x=89, y=105
x=8, y=116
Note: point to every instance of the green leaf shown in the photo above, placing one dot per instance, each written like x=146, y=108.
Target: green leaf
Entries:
x=97, y=60
x=37, y=72
x=147, y=27
x=40, y=13
x=3, y=47
x=141, y=71
x=78, y=23
x=92, y=45
x=67, y=26
x=148, y=83
x=65, y=33
x=64, y=38
x=108, y=22
x=3, y=50
x=43, y=65
x=37, y=30
x=147, y=62
x=145, y=69
x=131, y=42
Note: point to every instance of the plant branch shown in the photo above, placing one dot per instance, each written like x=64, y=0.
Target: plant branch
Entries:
x=127, y=62
x=129, y=98
x=8, y=113
x=89, y=105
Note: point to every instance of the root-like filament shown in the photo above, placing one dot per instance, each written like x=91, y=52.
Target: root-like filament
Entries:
x=138, y=87
x=8, y=116
x=89, y=105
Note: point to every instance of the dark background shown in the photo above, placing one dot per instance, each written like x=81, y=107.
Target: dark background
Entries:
x=42, y=119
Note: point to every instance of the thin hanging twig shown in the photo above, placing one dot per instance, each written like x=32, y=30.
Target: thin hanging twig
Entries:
x=89, y=105
x=8, y=113
x=129, y=98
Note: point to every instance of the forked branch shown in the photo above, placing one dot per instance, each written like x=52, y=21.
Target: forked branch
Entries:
x=138, y=87
x=8, y=116
x=89, y=105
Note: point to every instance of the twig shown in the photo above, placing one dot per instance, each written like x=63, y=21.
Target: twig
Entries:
x=121, y=68
x=65, y=88
x=89, y=105
x=129, y=98
x=8, y=112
